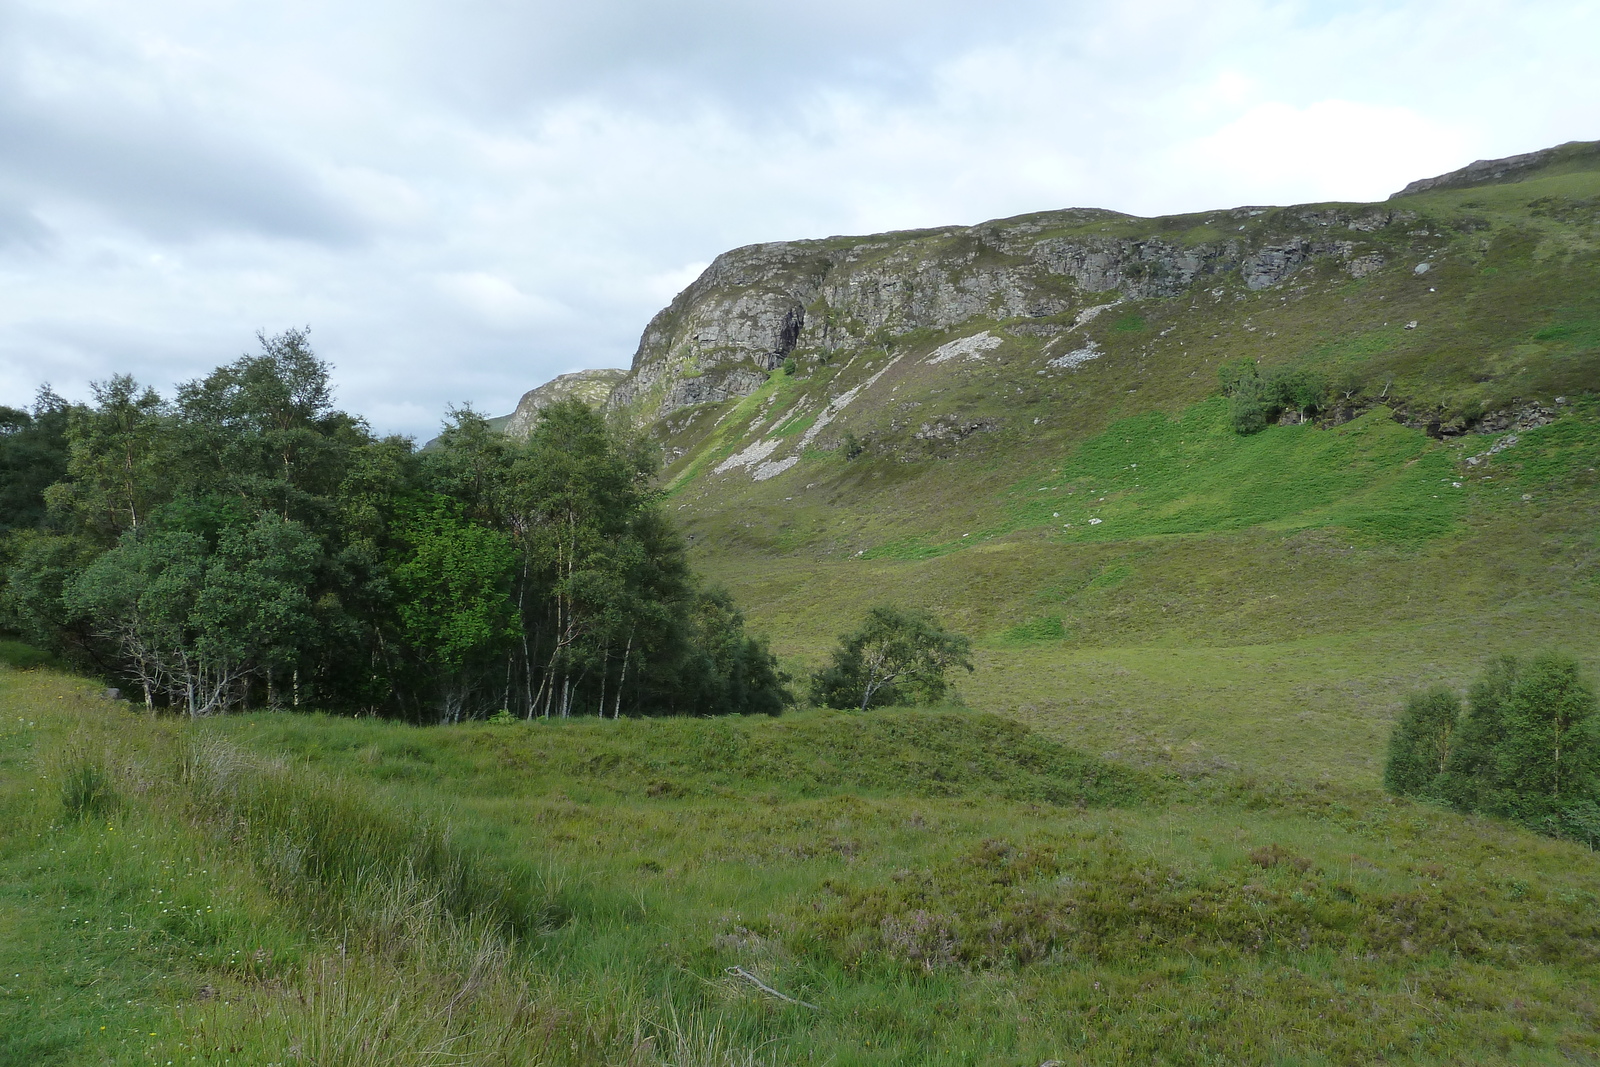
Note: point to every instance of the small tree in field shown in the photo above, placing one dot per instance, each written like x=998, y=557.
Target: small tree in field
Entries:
x=895, y=657
x=1422, y=742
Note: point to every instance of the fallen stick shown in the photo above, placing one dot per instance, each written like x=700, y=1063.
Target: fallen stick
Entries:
x=740, y=972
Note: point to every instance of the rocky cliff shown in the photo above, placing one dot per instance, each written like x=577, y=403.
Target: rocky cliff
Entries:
x=1458, y=304
x=593, y=387
x=757, y=306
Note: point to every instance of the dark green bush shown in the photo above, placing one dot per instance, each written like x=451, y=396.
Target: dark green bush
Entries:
x=1528, y=748
x=1420, y=747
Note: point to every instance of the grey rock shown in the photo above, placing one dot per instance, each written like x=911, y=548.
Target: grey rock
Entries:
x=756, y=306
x=593, y=387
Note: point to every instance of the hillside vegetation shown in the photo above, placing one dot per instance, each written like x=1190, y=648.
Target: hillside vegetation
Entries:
x=926, y=887
x=1258, y=601
x=1149, y=828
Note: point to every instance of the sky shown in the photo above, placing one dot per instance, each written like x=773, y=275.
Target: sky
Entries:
x=462, y=200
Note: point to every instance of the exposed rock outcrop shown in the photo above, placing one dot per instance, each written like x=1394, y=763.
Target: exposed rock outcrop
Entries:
x=590, y=386
x=756, y=306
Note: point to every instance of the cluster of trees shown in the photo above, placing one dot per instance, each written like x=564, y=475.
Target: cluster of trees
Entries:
x=1526, y=747
x=1255, y=400
x=895, y=657
x=243, y=543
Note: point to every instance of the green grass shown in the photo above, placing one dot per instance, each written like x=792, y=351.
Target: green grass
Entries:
x=944, y=887
x=1151, y=475
x=1152, y=834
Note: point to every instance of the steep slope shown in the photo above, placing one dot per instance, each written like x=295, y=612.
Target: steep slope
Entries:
x=1017, y=425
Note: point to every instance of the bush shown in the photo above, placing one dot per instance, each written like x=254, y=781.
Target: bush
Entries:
x=895, y=657
x=1527, y=749
x=1255, y=401
x=1420, y=747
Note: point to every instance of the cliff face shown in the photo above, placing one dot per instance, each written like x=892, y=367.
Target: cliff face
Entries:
x=756, y=306
x=1455, y=305
x=592, y=387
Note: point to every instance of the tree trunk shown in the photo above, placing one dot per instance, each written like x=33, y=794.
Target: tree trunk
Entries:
x=616, y=712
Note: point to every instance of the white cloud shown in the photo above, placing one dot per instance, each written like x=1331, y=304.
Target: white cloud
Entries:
x=465, y=199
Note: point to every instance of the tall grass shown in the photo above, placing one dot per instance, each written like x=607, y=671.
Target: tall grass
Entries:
x=331, y=846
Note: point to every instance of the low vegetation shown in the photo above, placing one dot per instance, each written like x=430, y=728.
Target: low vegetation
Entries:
x=912, y=887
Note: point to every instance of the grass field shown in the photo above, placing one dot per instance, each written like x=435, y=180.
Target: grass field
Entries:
x=940, y=887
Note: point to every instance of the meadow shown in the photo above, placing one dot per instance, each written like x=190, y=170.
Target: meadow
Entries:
x=1149, y=828
x=929, y=886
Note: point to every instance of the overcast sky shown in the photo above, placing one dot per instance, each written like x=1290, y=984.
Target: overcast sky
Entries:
x=465, y=199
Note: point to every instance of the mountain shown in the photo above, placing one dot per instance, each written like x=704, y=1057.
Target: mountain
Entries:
x=593, y=387
x=1019, y=425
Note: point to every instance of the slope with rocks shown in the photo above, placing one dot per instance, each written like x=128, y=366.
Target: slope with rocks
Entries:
x=1017, y=425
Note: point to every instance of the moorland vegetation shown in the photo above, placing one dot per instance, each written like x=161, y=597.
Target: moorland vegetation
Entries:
x=1150, y=825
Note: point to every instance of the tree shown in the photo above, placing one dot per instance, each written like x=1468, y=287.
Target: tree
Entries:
x=1549, y=754
x=1241, y=384
x=33, y=456
x=454, y=607
x=1470, y=782
x=116, y=471
x=737, y=673
x=140, y=596
x=896, y=656
x=1527, y=749
x=1421, y=744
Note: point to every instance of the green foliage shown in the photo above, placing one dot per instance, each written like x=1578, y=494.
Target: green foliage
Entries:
x=895, y=657
x=1528, y=748
x=1422, y=742
x=790, y=366
x=33, y=456
x=454, y=580
x=246, y=543
x=737, y=673
x=1255, y=400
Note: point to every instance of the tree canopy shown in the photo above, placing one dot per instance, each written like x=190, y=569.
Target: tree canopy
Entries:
x=896, y=656
x=245, y=543
x=1527, y=747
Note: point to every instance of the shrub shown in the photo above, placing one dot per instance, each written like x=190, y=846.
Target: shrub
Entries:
x=894, y=657
x=1420, y=747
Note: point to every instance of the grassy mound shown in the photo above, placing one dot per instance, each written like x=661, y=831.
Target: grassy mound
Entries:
x=809, y=754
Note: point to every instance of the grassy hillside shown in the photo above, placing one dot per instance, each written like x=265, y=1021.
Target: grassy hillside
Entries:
x=1254, y=601
x=936, y=887
x=1150, y=830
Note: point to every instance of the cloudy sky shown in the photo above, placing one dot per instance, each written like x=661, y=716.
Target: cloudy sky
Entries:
x=465, y=199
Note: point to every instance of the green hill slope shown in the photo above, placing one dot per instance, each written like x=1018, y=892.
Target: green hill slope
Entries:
x=1018, y=425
